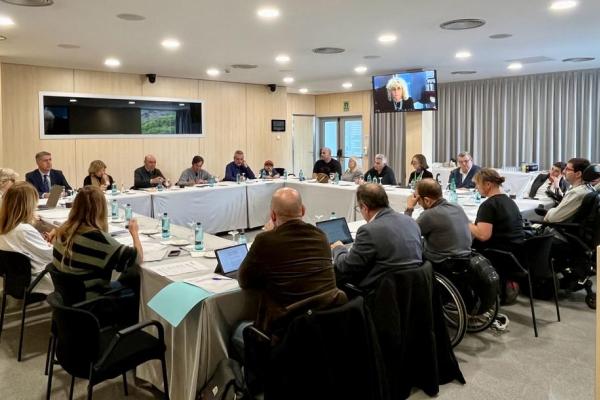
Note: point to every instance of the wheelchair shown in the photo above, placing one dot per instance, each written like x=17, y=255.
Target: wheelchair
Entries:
x=577, y=265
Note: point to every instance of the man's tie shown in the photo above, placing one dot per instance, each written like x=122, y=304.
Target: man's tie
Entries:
x=46, y=184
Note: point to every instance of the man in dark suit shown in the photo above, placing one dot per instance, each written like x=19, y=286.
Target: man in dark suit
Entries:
x=552, y=184
x=463, y=175
x=387, y=242
x=45, y=177
x=148, y=175
x=289, y=265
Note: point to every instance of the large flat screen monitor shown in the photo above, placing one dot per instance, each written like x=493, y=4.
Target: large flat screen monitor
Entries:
x=405, y=91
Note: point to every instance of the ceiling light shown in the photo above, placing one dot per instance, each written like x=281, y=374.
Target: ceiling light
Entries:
x=2, y=37
x=213, y=72
x=578, y=59
x=515, y=66
x=464, y=23
x=462, y=54
x=282, y=58
x=244, y=66
x=30, y=3
x=361, y=69
x=132, y=102
x=68, y=46
x=563, y=5
x=288, y=79
x=181, y=104
x=131, y=17
x=500, y=36
x=387, y=38
x=73, y=100
x=303, y=90
x=268, y=13
x=6, y=21
x=112, y=62
x=171, y=44
x=328, y=50
x=347, y=85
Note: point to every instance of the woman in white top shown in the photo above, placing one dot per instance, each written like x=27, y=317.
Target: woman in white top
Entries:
x=17, y=233
x=7, y=179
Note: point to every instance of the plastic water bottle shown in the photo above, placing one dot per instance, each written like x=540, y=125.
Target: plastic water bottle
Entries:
x=285, y=174
x=237, y=178
x=369, y=179
x=211, y=181
x=332, y=216
x=114, y=189
x=160, y=187
x=336, y=180
x=114, y=210
x=476, y=197
x=242, y=238
x=128, y=212
x=122, y=188
x=453, y=195
x=166, y=226
x=301, y=175
x=198, y=237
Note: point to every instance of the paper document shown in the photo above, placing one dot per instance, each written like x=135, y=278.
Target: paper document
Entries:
x=176, y=300
x=176, y=268
x=214, y=283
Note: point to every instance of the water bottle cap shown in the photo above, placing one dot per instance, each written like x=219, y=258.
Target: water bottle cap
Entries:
x=128, y=205
x=165, y=214
x=198, y=223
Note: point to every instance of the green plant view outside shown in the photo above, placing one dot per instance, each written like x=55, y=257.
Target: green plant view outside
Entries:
x=158, y=122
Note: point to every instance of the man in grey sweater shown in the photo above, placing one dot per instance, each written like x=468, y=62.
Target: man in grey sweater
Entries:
x=444, y=225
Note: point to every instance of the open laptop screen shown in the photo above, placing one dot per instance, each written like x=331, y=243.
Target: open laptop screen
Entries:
x=230, y=258
x=336, y=229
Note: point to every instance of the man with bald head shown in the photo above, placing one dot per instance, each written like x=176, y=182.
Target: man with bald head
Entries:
x=289, y=265
x=444, y=225
x=148, y=175
x=327, y=165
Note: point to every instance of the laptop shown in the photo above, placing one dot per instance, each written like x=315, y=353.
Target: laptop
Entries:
x=53, y=197
x=336, y=229
x=230, y=259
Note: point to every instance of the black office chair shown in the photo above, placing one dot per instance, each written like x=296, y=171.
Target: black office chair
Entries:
x=534, y=261
x=86, y=350
x=15, y=268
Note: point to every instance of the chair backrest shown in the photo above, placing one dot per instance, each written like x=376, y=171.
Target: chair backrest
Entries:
x=78, y=336
x=536, y=255
x=70, y=287
x=16, y=270
x=588, y=216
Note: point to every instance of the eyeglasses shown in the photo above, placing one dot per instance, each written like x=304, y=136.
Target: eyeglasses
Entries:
x=569, y=169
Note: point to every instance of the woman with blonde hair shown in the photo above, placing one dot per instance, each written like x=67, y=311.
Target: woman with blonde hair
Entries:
x=84, y=247
x=353, y=173
x=17, y=214
x=7, y=179
x=98, y=176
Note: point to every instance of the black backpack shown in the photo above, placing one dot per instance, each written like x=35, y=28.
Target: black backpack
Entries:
x=484, y=281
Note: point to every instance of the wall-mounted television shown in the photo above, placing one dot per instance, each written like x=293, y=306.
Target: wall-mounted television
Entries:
x=79, y=115
x=405, y=91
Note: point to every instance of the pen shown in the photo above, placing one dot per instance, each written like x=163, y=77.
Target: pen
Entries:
x=219, y=279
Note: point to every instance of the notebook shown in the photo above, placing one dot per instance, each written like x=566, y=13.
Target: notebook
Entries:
x=53, y=197
x=230, y=259
x=336, y=229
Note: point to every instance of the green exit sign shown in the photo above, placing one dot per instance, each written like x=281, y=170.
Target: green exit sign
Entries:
x=346, y=106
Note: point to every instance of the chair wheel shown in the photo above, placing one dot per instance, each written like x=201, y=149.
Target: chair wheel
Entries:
x=590, y=300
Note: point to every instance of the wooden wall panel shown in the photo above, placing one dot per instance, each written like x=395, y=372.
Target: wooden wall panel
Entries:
x=20, y=118
x=112, y=83
x=301, y=104
x=262, y=106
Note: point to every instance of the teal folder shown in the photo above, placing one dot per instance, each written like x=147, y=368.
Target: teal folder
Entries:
x=176, y=300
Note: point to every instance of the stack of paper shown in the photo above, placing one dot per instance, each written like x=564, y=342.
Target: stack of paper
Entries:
x=176, y=268
x=214, y=283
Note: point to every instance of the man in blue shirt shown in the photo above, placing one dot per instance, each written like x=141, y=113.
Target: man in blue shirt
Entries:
x=238, y=166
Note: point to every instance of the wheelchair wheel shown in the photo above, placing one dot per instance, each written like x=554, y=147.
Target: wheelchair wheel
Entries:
x=455, y=312
x=480, y=322
x=590, y=300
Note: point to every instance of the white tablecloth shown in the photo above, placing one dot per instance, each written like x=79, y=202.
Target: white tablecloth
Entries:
x=220, y=208
x=141, y=202
x=321, y=199
x=515, y=182
x=259, y=201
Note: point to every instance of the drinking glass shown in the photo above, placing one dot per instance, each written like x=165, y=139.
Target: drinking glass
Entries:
x=233, y=234
x=318, y=217
x=331, y=177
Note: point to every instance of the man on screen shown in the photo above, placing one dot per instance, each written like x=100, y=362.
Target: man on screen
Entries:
x=398, y=95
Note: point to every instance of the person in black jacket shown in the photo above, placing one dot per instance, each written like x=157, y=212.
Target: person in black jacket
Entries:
x=552, y=184
x=419, y=163
x=381, y=170
x=45, y=177
x=463, y=175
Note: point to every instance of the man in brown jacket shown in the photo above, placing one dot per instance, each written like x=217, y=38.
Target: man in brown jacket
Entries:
x=289, y=265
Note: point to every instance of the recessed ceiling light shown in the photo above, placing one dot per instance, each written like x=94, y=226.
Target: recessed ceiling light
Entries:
x=131, y=17
x=500, y=36
x=6, y=21
x=30, y=3
x=347, y=85
x=387, y=38
x=2, y=37
x=462, y=54
x=170, y=44
x=464, y=23
x=244, y=66
x=112, y=62
x=213, y=72
x=68, y=46
x=328, y=50
x=73, y=100
x=282, y=58
x=563, y=5
x=515, y=66
x=303, y=90
x=463, y=72
x=131, y=102
x=578, y=59
x=288, y=79
x=361, y=69
x=268, y=13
